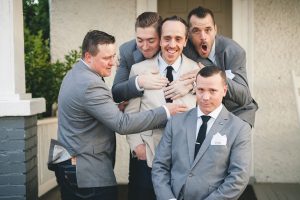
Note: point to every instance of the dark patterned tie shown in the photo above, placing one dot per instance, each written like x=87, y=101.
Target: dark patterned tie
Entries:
x=170, y=78
x=201, y=134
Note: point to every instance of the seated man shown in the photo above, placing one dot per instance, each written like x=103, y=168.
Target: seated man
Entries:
x=204, y=153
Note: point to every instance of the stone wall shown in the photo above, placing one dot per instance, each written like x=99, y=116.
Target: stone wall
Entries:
x=276, y=54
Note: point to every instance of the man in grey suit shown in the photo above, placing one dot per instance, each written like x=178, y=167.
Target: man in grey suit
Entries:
x=207, y=48
x=87, y=121
x=216, y=165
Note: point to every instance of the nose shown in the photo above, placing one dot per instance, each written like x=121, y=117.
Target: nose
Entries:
x=172, y=43
x=145, y=46
x=202, y=35
x=112, y=61
x=205, y=96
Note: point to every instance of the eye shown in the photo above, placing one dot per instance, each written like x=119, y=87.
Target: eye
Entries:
x=208, y=30
x=151, y=41
x=195, y=31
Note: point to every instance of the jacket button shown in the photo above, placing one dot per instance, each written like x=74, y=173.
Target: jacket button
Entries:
x=190, y=175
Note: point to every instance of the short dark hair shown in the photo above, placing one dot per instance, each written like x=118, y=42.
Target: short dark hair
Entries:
x=201, y=12
x=92, y=39
x=148, y=19
x=175, y=18
x=210, y=71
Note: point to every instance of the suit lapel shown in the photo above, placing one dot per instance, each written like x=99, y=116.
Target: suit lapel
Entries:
x=191, y=133
x=217, y=126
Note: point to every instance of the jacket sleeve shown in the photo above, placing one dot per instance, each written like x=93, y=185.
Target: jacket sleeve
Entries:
x=161, y=168
x=238, y=89
x=100, y=105
x=239, y=168
x=124, y=88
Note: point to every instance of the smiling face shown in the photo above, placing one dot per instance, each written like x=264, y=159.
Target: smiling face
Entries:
x=202, y=34
x=103, y=61
x=173, y=39
x=147, y=41
x=210, y=92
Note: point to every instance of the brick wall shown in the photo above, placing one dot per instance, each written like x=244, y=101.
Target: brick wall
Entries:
x=18, y=158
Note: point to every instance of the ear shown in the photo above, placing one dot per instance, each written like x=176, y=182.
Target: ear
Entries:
x=87, y=57
x=225, y=90
x=186, y=39
x=216, y=28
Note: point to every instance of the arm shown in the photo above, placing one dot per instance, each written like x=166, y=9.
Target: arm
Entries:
x=238, y=169
x=99, y=104
x=238, y=89
x=161, y=168
x=124, y=88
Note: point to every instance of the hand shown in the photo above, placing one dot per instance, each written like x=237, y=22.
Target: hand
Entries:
x=140, y=152
x=178, y=88
x=176, y=108
x=189, y=75
x=153, y=81
x=122, y=105
x=200, y=65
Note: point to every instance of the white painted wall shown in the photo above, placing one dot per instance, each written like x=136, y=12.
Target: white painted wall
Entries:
x=276, y=53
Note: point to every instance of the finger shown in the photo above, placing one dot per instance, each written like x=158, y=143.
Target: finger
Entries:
x=154, y=71
x=176, y=96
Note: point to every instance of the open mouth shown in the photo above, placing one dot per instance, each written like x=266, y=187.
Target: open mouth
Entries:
x=204, y=47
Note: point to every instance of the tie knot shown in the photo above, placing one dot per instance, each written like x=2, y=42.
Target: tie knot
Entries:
x=169, y=68
x=205, y=118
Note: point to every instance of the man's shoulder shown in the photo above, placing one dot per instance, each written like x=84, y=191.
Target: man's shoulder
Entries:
x=236, y=122
x=145, y=64
x=128, y=46
x=180, y=118
x=227, y=44
x=189, y=62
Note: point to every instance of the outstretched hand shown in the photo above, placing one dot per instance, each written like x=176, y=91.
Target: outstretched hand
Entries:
x=176, y=108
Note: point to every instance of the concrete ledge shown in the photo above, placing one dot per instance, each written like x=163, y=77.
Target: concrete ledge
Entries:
x=22, y=107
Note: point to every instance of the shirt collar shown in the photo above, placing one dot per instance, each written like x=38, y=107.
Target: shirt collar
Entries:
x=212, y=54
x=85, y=63
x=163, y=65
x=214, y=114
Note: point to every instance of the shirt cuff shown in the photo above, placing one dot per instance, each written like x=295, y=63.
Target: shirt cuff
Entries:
x=137, y=84
x=167, y=111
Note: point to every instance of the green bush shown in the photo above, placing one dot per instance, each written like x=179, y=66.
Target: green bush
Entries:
x=43, y=78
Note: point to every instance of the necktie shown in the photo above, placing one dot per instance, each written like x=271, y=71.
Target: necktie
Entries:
x=103, y=79
x=201, y=134
x=170, y=78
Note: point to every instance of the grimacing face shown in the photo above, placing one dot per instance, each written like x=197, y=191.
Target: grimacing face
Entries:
x=210, y=92
x=202, y=33
x=173, y=39
x=103, y=62
x=147, y=41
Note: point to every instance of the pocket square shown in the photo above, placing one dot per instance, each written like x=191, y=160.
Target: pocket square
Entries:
x=218, y=139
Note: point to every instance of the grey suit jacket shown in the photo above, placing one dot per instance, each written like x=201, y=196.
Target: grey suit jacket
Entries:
x=153, y=99
x=218, y=171
x=231, y=56
x=87, y=121
x=124, y=87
